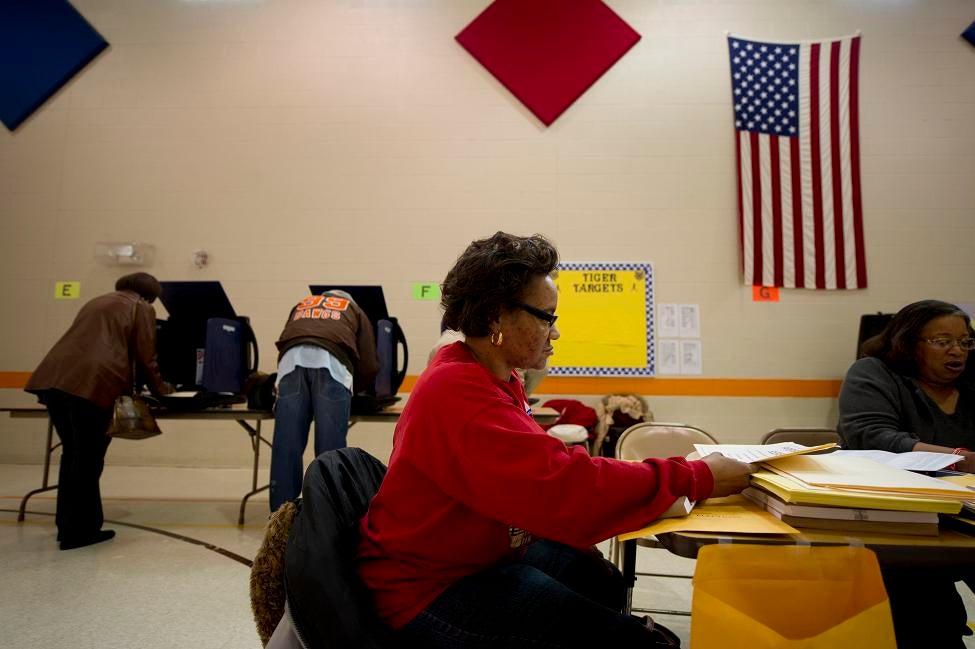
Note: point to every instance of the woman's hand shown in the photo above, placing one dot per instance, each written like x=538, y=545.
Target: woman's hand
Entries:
x=730, y=476
x=967, y=463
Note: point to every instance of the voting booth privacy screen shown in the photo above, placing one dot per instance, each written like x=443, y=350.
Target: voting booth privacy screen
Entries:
x=871, y=324
x=605, y=320
x=203, y=345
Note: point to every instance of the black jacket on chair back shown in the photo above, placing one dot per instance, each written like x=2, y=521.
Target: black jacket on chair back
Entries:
x=329, y=604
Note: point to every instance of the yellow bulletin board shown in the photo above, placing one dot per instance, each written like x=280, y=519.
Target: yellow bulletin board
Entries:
x=605, y=320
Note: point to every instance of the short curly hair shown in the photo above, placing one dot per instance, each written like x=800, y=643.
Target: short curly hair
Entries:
x=895, y=345
x=491, y=275
x=144, y=284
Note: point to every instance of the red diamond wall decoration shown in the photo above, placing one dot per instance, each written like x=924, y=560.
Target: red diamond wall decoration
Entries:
x=547, y=52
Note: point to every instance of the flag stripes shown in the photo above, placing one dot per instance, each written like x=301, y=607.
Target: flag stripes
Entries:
x=797, y=148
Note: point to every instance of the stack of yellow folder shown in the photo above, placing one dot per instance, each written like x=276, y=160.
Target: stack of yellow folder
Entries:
x=836, y=486
x=795, y=491
x=859, y=474
x=851, y=519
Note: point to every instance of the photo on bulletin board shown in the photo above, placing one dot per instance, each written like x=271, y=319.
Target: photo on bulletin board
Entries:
x=605, y=320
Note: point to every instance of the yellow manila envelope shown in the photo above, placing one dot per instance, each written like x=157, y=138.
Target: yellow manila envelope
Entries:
x=732, y=514
x=965, y=480
x=789, y=597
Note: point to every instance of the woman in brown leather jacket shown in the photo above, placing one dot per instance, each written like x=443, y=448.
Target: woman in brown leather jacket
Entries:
x=79, y=380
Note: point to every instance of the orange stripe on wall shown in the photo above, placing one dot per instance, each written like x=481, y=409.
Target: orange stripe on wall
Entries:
x=13, y=379
x=669, y=387
x=673, y=387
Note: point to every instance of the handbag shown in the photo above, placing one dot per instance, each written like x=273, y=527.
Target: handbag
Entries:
x=131, y=419
x=789, y=597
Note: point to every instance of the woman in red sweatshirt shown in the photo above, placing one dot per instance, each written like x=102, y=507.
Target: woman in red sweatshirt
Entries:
x=481, y=533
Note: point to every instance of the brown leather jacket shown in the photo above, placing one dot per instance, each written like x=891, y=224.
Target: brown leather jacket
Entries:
x=93, y=359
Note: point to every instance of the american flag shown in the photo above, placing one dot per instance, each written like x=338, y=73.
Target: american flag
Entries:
x=798, y=156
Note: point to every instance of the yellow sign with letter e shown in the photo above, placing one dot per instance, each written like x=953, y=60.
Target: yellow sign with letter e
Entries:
x=67, y=290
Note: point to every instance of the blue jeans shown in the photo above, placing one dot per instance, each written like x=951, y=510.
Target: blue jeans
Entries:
x=305, y=394
x=555, y=596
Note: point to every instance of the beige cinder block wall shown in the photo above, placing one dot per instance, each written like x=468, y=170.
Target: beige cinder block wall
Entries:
x=353, y=141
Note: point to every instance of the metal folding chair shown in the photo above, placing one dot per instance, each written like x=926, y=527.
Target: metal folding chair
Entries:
x=656, y=439
x=805, y=435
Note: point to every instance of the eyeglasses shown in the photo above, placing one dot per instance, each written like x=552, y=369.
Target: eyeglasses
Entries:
x=544, y=316
x=968, y=344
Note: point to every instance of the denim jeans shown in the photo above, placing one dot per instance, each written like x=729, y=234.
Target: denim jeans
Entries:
x=555, y=596
x=305, y=394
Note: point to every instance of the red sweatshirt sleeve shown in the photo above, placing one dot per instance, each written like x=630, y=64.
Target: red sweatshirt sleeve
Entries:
x=501, y=464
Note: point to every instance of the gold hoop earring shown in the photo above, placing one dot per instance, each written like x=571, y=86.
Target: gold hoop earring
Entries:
x=497, y=338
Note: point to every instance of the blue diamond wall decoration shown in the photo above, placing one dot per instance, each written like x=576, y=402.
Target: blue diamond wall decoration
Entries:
x=43, y=43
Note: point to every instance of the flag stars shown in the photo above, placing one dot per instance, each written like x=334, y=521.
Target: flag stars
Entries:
x=764, y=83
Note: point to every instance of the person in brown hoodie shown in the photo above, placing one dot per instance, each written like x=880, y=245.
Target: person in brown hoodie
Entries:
x=326, y=352
x=79, y=380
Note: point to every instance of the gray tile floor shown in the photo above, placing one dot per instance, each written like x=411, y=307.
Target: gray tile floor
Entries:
x=146, y=589
x=142, y=588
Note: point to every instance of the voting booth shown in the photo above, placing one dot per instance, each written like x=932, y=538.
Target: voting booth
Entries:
x=203, y=345
x=390, y=344
x=871, y=324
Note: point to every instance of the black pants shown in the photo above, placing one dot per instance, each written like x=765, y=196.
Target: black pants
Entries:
x=927, y=609
x=81, y=425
